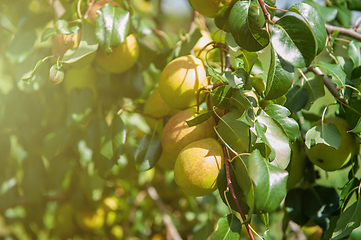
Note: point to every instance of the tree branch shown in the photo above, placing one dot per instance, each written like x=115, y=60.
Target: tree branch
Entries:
x=344, y=31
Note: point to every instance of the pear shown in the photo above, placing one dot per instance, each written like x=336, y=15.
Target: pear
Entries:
x=197, y=166
x=209, y=8
x=176, y=135
x=180, y=81
x=329, y=158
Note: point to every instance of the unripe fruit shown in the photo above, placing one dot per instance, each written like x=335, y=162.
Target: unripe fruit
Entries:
x=180, y=81
x=176, y=135
x=329, y=158
x=123, y=57
x=209, y=8
x=197, y=167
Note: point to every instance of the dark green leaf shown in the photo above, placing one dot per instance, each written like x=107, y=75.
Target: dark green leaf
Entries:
x=354, y=52
x=245, y=29
x=111, y=26
x=327, y=134
x=148, y=152
x=221, y=19
x=297, y=98
x=353, y=116
x=293, y=204
x=315, y=23
x=293, y=40
x=270, y=182
x=199, y=118
x=280, y=77
x=354, y=5
x=343, y=13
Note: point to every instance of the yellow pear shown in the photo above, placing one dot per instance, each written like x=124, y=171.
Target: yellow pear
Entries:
x=209, y=8
x=123, y=57
x=180, y=81
x=197, y=167
x=206, y=53
x=176, y=135
x=89, y=220
x=329, y=158
x=157, y=108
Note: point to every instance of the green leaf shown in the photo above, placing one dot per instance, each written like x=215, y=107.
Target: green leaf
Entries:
x=277, y=139
x=30, y=76
x=228, y=228
x=237, y=79
x=327, y=134
x=353, y=116
x=221, y=95
x=293, y=206
x=314, y=21
x=270, y=182
x=221, y=19
x=87, y=45
x=319, y=203
x=354, y=5
x=328, y=13
x=335, y=71
x=62, y=27
x=249, y=59
x=148, y=152
x=21, y=45
x=354, y=52
x=280, y=76
x=281, y=115
x=343, y=13
x=297, y=98
x=111, y=26
x=199, y=118
x=293, y=40
x=315, y=89
x=264, y=147
x=112, y=145
x=245, y=29
x=234, y=132
x=47, y=34
x=186, y=45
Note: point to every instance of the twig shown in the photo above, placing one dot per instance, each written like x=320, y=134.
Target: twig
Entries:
x=167, y=220
x=89, y=7
x=344, y=31
x=230, y=187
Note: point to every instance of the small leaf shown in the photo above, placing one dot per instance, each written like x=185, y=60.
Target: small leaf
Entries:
x=293, y=40
x=112, y=145
x=297, y=98
x=148, y=152
x=314, y=21
x=280, y=77
x=249, y=59
x=87, y=45
x=62, y=27
x=199, y=118
x=245, y=29
x=237, y=79
x=354, y=52
x=32, y=73
x=327, y=134
x=111, y=26
x=228, y=228
x=270, y=182
x=335, y=71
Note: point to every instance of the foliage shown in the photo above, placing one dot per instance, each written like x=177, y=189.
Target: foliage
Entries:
x=80, y=159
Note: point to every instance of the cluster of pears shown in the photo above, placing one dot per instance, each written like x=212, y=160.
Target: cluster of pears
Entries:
x=193, y=153
x=122, y=57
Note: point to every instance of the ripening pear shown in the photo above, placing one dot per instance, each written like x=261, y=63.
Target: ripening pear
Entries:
x=206, y=53
x=59, y=41
x=180, y=81
x=209, y=8
x=122, y=57
x=329, y=158
x=156, y=107
x=176, y=135
x=197, y=167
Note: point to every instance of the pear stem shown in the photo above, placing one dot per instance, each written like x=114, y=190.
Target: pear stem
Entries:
x=230, y=187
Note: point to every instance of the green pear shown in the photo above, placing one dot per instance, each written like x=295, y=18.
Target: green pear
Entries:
x=176, y=135
x=209, y=8
x=329, y=158
x=180, y=81
x=197, y=167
